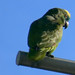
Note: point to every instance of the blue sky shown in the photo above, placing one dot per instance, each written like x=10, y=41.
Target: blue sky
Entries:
x=15, y=19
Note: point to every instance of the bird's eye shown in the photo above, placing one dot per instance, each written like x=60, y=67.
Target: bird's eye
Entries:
x=66, y=16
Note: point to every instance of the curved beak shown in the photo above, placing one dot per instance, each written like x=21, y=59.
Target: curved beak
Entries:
x=66, y=24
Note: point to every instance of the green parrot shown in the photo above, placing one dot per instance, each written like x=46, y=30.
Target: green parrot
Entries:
x=46, y=33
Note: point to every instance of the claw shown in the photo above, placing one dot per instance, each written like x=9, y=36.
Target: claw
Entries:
x=52, y=56
x=48, y=54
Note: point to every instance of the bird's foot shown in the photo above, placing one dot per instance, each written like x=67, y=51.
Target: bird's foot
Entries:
x=49, y=55
x=52, y=56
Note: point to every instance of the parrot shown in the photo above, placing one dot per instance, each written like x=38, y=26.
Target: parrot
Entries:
x=46, y=32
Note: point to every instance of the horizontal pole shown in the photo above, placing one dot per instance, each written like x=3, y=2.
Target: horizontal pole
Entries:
x=52, y=64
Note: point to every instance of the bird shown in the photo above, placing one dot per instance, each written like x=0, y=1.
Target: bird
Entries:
x=46, y=32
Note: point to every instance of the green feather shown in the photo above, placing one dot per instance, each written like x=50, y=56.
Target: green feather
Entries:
x=45, y=34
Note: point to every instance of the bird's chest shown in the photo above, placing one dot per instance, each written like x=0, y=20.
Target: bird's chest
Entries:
x=55, y=36
x=49, y=38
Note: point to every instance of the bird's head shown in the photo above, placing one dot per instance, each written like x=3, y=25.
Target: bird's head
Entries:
x=56, y=13
x=67, y=17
